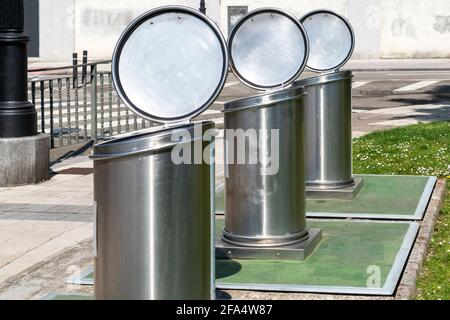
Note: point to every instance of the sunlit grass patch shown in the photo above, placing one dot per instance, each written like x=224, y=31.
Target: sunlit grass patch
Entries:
x=422, y=149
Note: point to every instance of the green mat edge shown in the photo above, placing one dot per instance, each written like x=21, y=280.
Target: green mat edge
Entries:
x=418, y=215
x=388, y=288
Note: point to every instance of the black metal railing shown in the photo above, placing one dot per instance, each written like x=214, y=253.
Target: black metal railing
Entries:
x=76, y=108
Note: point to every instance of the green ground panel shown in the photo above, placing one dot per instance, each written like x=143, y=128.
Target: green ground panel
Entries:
x=354, y=257
x=349, y=254
x=382, y=197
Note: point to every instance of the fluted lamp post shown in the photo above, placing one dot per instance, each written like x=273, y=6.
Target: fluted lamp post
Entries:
x=24, y=154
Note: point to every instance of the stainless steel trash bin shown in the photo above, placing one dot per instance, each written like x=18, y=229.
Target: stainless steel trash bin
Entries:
x=263, y=208
x=265, y=201
x=328, y=106
x=154, y=194
x=328, y=130
x=153, y=219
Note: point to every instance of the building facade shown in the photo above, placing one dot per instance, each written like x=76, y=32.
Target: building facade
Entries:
x=383, y=28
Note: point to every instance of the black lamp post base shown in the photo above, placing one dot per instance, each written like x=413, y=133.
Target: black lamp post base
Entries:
x=17, y=116
x=17, y=119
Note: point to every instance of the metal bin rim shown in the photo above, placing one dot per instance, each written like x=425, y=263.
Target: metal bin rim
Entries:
x=324, y=78
x=264, y=100
x=147, y=141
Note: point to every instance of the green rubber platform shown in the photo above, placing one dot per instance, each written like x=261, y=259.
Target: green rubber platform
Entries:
x=382, y=197
x=354, y=257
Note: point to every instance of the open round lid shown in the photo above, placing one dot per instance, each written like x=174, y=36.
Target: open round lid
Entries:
x=331, y=38
x=170, y=64
x=268, y=49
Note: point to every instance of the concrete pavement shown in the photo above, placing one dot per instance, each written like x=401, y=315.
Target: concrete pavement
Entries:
x=38, y=221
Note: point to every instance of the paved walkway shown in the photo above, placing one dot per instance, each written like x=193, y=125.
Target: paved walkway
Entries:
x=39, y=221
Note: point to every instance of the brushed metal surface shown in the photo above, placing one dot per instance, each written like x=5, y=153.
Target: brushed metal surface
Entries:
x=331, y=39
x=268, y=49
x=328, y=130
x=266, y=210
x=153, y=223
x=170, y=64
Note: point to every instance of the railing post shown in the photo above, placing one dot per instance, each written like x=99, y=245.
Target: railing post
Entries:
x=94, y=103
x=42, y=88
x=52, y=136
x=75, y=68
x=85, y=61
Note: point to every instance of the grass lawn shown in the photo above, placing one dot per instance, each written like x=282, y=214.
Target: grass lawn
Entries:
x=422, y=149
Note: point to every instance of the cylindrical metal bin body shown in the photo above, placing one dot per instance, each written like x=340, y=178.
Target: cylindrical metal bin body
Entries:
x=265, y=201
x=328, y=130
x=154, y=217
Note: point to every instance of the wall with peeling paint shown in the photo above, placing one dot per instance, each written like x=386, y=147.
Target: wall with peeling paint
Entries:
x=384, y=28
x=415, y=29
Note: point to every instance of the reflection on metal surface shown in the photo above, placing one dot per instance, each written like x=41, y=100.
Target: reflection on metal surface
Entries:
x=332, y=40
x=268, y=49
x=170, y=64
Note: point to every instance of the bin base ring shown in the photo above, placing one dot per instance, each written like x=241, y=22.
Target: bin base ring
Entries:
x=298, y=251
x=348, y=192
x=261, y=242
x=330, y=185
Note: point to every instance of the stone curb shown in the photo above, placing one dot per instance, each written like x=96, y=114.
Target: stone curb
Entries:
x=407, y=289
